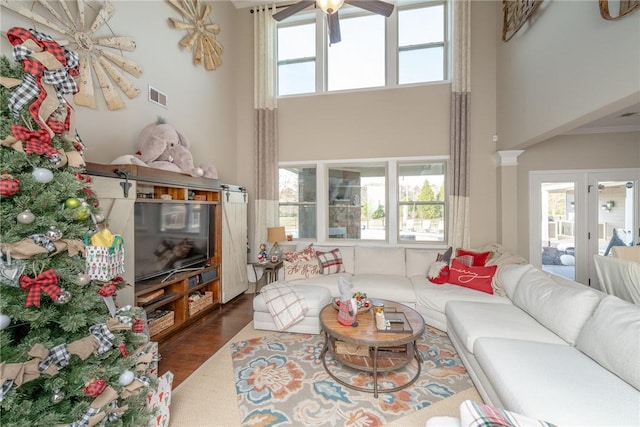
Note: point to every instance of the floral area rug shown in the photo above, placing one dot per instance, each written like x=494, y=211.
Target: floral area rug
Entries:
x=280, y=381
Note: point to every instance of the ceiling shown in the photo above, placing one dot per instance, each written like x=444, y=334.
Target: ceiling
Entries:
x=625, y=120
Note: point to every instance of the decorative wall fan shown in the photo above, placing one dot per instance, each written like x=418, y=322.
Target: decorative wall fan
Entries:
x=330, y=7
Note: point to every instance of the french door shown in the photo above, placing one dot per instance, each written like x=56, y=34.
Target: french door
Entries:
x=577, y=214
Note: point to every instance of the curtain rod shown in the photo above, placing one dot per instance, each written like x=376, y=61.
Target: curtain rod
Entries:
x=281, y=6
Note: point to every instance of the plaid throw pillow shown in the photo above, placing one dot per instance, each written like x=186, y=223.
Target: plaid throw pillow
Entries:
x=473, y=414
x=330, y=262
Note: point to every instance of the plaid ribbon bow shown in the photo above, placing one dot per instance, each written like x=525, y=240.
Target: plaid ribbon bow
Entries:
x=59, y=355
x=60, y=78
x=104, y=336
x=38, y=142
x=45, y=282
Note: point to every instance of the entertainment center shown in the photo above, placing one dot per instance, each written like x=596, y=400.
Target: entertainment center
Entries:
x=171, y=226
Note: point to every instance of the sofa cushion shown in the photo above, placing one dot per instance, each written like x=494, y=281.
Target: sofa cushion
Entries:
x=611, y=337
x=330, y=262
x=510, y=275
x=473, y=320
x=562, y=309
x=419, y=260
x=472, y=277
x=380, y=260
x=435, y=297
x=301, y=269
x=556, y=383
x=305, y=254
x=347, y=256
x=384, y=286
x=327, y=281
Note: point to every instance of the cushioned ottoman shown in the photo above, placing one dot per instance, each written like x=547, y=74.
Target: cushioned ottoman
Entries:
x=316, y=297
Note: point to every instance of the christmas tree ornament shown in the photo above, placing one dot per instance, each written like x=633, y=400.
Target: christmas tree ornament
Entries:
x=25, y=217
x=126, y=378
x=83, y=279
x=8, y=185
x=99, y=218
x=54, y=233
x=64, y=297
x=10, y=270
x=82, y=213
x=42, y=175
x=57, y=396
x=4, y=321
x=72, y=203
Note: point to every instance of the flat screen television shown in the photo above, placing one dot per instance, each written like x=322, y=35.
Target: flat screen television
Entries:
x=171, y=236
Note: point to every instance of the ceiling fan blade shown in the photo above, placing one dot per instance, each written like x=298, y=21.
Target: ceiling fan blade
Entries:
x=375, y=6
x=334, y=28
x=293, y=9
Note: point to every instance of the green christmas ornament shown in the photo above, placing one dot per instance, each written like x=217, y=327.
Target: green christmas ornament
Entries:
x=72, y=203
x=82, y=214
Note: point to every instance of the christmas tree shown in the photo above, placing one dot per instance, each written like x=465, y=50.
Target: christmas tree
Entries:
x=68, y=356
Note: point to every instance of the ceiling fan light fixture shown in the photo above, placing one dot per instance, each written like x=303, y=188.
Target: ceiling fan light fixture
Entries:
x=329, y=6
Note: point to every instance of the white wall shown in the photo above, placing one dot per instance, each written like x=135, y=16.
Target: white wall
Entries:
x=566, y=68
x=202, y=104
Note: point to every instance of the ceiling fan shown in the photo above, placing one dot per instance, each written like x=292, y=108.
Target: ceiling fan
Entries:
x=330, y=7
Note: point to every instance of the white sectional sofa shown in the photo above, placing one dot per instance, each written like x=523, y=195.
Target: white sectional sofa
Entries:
x=562, y=352
x=547, y=347
x=397, y=274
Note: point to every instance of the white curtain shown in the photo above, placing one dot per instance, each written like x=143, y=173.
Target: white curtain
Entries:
x=459, y=148
x=265, y=124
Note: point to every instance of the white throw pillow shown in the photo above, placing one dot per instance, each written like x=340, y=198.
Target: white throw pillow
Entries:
x=562, y=309
x=611, y=337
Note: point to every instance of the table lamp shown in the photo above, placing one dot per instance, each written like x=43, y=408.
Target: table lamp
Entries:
x=275, y=235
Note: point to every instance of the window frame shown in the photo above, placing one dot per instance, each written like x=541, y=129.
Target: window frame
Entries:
x=392, y=50
x=392, y=207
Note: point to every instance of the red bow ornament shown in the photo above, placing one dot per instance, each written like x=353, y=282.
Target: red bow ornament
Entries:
x=108, y=289
x=8, y=185
x=45, y=282
x=95, y=388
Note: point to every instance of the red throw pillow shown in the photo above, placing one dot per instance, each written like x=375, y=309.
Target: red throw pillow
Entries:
x=479, y=258
x=438, y=273
x=477, y=278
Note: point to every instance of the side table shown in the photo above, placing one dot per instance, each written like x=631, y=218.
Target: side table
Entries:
x=269, y=272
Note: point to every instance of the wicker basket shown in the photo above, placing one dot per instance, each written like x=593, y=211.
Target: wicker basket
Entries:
x=161, y=323
x=201, y=303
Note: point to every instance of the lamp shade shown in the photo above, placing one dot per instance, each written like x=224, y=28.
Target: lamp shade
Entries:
x=329, y=6
x=276, y=234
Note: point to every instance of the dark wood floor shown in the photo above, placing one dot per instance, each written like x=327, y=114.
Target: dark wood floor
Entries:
x=184, y=352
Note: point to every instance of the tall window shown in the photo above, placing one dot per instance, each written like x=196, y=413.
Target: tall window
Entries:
x=297, y=209
x=421, y=42
x=408, y=47
x=421, y=213
x=296, y=59
x=358, y=61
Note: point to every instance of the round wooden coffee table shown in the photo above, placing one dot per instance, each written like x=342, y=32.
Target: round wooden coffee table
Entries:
x=368, y=349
